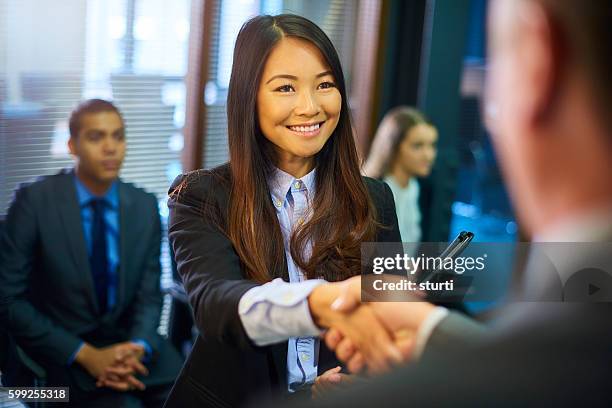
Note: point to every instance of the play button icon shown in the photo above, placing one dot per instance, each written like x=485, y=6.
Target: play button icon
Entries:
x=588, y=285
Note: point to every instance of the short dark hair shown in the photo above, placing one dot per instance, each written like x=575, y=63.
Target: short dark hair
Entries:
x=86, y=107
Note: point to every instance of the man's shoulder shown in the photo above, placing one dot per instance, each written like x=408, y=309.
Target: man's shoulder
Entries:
x=45, y=182
x=136, y=193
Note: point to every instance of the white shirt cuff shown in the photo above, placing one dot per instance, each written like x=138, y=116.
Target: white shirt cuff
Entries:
x=426, y=328
x=277, y=310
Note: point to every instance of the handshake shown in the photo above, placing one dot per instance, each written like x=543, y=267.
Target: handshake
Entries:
x=368, y=337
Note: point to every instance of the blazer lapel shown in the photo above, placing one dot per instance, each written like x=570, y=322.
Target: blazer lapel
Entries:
x=70, y=214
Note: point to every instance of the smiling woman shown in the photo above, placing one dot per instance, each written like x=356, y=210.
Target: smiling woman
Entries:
x=298, y=104
x=254, y=237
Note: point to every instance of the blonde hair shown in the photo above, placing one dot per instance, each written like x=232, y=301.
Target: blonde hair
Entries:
x=390, y=133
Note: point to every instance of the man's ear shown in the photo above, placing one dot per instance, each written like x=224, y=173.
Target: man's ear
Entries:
x=71, y=146
x=540, y=52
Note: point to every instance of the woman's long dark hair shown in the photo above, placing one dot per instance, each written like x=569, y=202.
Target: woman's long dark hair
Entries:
x=342, y=213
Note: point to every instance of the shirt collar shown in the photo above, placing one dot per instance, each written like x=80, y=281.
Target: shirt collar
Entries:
x=281, y=182
x=588, y=226
x=111, y=198
x=390, y=180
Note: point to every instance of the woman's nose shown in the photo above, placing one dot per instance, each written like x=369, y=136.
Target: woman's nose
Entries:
x=307, y=105
x=430, y=153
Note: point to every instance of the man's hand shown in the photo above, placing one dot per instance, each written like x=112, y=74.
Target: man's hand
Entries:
x=121, y=375
x=114, y=366
x=396, y=316
x=361, y=325
x=353, y=358
x=401, y=319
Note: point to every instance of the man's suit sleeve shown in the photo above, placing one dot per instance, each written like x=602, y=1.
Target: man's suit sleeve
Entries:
x=206, y=260
x=454, y=332
x=148, y=302
x=32, y=330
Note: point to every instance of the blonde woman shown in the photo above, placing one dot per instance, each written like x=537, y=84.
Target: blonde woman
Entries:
x=404, y=149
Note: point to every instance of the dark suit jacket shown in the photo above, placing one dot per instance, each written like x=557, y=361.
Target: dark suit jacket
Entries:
x=562, y=360
x=225, y=368
x=539, y=354
x=47, y=297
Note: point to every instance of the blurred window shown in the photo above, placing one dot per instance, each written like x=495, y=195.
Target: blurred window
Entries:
x=482, y=204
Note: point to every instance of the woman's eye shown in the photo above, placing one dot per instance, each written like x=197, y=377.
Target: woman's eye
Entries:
x=285, y=88
x=326, y=85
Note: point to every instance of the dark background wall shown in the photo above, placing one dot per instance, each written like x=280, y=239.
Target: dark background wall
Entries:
x=421, y=65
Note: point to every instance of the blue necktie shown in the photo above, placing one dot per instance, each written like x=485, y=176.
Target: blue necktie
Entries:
x=98, y=259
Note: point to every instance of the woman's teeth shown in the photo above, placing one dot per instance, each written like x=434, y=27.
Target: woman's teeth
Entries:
x=311, y=128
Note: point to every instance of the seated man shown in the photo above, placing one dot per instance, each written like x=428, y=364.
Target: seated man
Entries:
x=80, y=273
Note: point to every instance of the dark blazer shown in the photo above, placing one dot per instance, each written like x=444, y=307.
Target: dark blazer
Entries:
x=538, y=354
x=564, y=361
x=225, y=368
x=47, y=297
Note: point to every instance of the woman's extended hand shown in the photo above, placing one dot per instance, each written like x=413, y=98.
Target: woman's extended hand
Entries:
x=329, y=381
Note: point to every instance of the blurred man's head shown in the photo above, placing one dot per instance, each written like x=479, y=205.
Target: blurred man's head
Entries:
x=97, y=140
x=548, y=104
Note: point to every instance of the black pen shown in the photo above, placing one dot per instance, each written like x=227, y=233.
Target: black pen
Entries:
x=454, y=249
